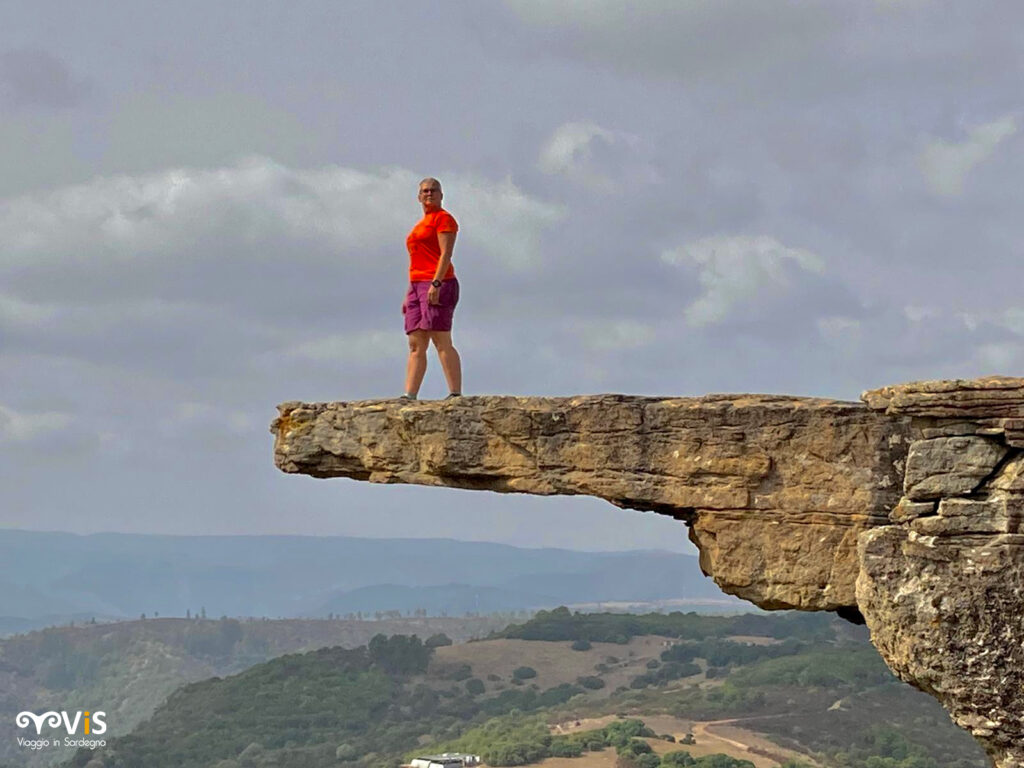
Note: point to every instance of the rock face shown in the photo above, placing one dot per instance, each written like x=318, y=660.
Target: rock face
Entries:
x=906, y=510
x=942, y=588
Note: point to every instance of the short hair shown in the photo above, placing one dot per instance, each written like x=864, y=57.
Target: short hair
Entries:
x=430, y=180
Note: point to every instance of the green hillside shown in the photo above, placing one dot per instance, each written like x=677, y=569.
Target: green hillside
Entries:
x=824, y=694
x=128, y=668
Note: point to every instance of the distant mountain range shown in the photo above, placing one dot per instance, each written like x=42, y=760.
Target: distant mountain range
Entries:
x=48, y=578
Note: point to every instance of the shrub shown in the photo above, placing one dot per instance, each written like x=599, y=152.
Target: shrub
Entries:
x=438, y=640
x=558, y=694
x=619, y=733
x=679, y=759
x=565, y=748
x=475, y=686
x=681, y=652
x=719, y=760
x=452, y=671
x=634, y=747
x=523, y=673
x=581, y=645
x=399, y=654
x=345, y=752
x=641, y=681
x=591, y=682
x=653, y=664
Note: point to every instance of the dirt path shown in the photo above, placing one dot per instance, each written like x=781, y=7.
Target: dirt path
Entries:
x=703, y=735
x=757, y=749
x=711, y=736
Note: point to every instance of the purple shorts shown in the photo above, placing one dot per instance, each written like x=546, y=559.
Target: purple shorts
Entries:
x=420, y=315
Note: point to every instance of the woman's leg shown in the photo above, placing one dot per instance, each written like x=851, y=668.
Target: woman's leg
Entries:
x=449, y=357
x=417, y=365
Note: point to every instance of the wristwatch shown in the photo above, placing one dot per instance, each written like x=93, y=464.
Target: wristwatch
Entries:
x=436, y=283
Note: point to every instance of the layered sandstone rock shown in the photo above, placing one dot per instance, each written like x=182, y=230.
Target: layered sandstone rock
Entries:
x=942, y=588
x=906, y=510
x=775, y=489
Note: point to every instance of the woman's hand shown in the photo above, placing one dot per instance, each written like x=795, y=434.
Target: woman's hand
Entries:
x=434, y=295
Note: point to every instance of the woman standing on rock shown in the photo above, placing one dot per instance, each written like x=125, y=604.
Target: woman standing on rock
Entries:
x=429, y=305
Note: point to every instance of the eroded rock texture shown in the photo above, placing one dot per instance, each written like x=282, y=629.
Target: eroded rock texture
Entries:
x=775, y=489
x=942, y=586
x=906, y=510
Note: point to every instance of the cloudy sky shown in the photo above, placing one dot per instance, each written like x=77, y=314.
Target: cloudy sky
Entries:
x=203, y=209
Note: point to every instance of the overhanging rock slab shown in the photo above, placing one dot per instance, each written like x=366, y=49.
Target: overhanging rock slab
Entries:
x=776, y=489
x=794, y=502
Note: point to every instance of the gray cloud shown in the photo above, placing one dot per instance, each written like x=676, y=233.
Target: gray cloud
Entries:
x=691, y=40
x=34, y=78
x=746, y=51
x=595, y=157
x=734, y=271
x=224, y=230
x=182, y=242
x=945, y=164
x=21, y=427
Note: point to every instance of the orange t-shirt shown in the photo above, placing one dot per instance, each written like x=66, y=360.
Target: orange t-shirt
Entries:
x=424, y=249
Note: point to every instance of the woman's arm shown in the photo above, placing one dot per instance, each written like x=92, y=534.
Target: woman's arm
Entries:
x=447, y=242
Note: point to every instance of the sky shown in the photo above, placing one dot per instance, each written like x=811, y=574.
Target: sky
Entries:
x=203, y=209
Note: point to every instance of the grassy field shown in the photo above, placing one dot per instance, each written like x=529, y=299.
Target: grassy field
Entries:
x=712, y=737
x=554, y=661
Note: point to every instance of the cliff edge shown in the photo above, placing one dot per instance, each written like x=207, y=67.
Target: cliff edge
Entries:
x=904, y=511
